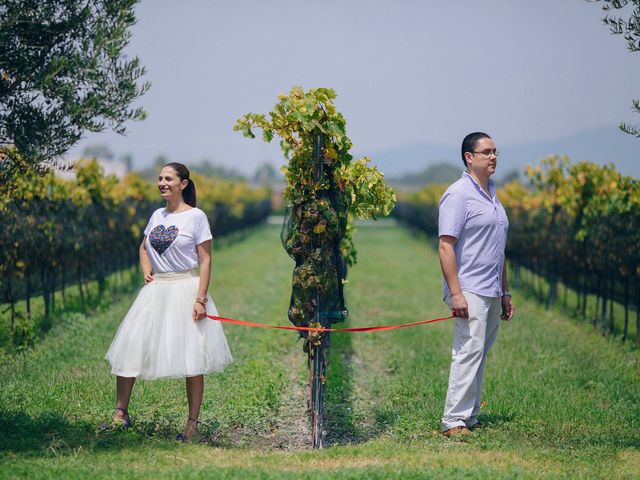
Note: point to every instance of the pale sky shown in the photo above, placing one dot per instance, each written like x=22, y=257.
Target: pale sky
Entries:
x=406, y=71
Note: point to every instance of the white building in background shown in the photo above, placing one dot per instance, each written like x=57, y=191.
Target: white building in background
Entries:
x=114, y=166
x=104, y=157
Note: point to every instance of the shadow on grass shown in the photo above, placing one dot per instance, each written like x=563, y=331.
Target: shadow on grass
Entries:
x=53, y=434
x=494, y=420
x=340, y=422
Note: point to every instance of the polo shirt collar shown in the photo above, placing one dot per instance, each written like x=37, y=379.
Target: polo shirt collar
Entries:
x=490, y=186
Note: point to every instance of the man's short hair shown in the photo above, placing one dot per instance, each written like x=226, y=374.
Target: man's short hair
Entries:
x=469, y=143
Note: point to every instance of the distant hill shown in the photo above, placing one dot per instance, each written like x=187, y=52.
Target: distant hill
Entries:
x=602, y=145
x=442, y=172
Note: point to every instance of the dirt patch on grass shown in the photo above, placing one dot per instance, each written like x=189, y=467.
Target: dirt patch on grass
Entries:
x=291, y=428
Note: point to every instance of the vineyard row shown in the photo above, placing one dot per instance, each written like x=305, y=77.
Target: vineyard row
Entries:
x=573, y=224
x=60, y=232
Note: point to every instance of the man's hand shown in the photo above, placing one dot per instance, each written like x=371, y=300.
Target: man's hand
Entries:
x=459, y=306
x=508, y=310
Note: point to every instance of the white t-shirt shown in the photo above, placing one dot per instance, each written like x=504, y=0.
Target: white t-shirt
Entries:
x=171, y=239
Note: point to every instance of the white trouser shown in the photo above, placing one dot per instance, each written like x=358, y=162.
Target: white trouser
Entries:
x=473, y=338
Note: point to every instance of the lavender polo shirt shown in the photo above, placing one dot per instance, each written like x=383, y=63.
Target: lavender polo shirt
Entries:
x=479, y=223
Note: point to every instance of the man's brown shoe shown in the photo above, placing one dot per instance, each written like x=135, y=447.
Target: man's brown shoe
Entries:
x=452, y=432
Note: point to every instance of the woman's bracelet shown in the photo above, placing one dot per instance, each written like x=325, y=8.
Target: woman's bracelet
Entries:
x=201, y=300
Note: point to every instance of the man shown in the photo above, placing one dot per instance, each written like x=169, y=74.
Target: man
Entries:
x=472, y=237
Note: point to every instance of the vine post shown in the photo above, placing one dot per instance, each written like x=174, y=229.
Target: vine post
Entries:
x=316, y=361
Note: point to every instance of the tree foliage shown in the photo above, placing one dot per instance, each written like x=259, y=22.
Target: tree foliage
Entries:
x=63, y=72
x=629, y=28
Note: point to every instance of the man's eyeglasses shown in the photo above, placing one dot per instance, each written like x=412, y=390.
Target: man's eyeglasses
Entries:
x=488, y=153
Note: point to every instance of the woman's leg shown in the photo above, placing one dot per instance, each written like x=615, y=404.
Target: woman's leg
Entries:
x=195, y=390
x=124, y=386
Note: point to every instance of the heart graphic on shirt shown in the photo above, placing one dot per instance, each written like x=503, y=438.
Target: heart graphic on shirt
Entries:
x=161, y=238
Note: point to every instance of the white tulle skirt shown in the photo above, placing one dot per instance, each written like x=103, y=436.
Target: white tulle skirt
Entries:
x=158, y=337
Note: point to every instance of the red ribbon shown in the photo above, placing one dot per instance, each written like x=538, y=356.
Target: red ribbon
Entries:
x=320, y=329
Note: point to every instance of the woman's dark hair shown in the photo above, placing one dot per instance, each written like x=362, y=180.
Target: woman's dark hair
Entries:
x=469, y=143
x=189, y=193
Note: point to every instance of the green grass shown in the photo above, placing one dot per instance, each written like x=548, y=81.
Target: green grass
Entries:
x=561, y=401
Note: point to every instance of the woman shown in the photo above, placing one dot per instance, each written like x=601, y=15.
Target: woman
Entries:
x=166, y=333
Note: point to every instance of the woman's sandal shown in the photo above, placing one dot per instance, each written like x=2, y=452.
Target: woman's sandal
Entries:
x=124, y=424
x=181, y=437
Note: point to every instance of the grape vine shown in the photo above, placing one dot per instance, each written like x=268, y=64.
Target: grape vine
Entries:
x=318, y=230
